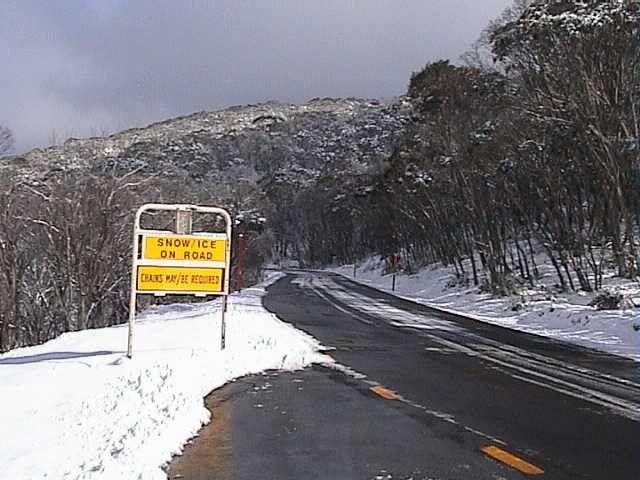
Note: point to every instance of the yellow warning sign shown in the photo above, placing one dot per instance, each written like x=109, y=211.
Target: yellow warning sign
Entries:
x=193, y=248
x=179, y=279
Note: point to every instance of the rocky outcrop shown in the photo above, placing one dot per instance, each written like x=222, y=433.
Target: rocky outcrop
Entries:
x=259, y=140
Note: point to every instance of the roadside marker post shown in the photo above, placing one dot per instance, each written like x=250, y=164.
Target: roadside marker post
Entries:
x=394, y=260
x=179, y=262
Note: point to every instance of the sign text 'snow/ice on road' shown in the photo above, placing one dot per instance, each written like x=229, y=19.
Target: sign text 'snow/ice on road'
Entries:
x=184, y=248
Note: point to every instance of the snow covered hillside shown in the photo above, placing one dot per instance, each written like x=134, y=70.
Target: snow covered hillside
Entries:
x=77, y=408
x=567, y=317
x=263, y=140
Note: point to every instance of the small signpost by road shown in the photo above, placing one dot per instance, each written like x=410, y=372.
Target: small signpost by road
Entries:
x=178, y=262
x=394, y=262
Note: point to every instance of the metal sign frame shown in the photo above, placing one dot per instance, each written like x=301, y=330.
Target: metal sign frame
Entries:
x=183, y=230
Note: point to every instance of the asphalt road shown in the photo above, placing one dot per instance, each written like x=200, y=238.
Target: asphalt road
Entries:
x=418, y=394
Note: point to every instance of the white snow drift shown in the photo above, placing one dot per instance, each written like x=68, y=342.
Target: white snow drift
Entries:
x=77, y=408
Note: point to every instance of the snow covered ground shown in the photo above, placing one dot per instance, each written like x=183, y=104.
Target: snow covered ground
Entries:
x=566, y=317
x=77, y=408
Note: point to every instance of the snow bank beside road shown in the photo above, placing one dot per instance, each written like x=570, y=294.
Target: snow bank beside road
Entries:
x=566, y=317
x=77, y=408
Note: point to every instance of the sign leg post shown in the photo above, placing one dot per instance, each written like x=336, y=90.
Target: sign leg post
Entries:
x=133, y=292
x=223, y=328
x=132, y=319
x=240, y=269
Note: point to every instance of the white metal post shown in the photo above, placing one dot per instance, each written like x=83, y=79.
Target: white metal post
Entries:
x=184, y=221
x=227, y=274
x=132, y=316
x=134, y=271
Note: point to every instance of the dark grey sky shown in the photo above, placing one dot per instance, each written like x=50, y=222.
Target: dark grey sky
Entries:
x=82, y=67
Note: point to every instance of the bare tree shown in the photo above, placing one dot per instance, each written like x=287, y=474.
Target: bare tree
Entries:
x=6, y=140
x=479, y=55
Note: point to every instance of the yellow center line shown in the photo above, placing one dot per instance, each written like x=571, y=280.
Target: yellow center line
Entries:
x=511, y=460
x=384, y=393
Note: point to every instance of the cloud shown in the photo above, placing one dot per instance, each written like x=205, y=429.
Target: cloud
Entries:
x=81, y=67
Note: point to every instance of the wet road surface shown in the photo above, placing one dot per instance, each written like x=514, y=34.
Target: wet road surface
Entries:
x=415, y=393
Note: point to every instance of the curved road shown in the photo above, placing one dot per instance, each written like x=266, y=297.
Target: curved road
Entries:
x=415, y=393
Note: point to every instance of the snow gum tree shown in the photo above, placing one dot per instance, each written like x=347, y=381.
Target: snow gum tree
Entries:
x=445, y=177
x=539, y=152
x=577, y=64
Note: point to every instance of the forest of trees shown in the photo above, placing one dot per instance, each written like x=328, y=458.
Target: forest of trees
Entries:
x=65, y=249
x=528, y=153
x=538, y=151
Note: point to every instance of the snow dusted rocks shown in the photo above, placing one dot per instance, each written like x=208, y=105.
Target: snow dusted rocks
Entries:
x=77, y=408
x=261, y=138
